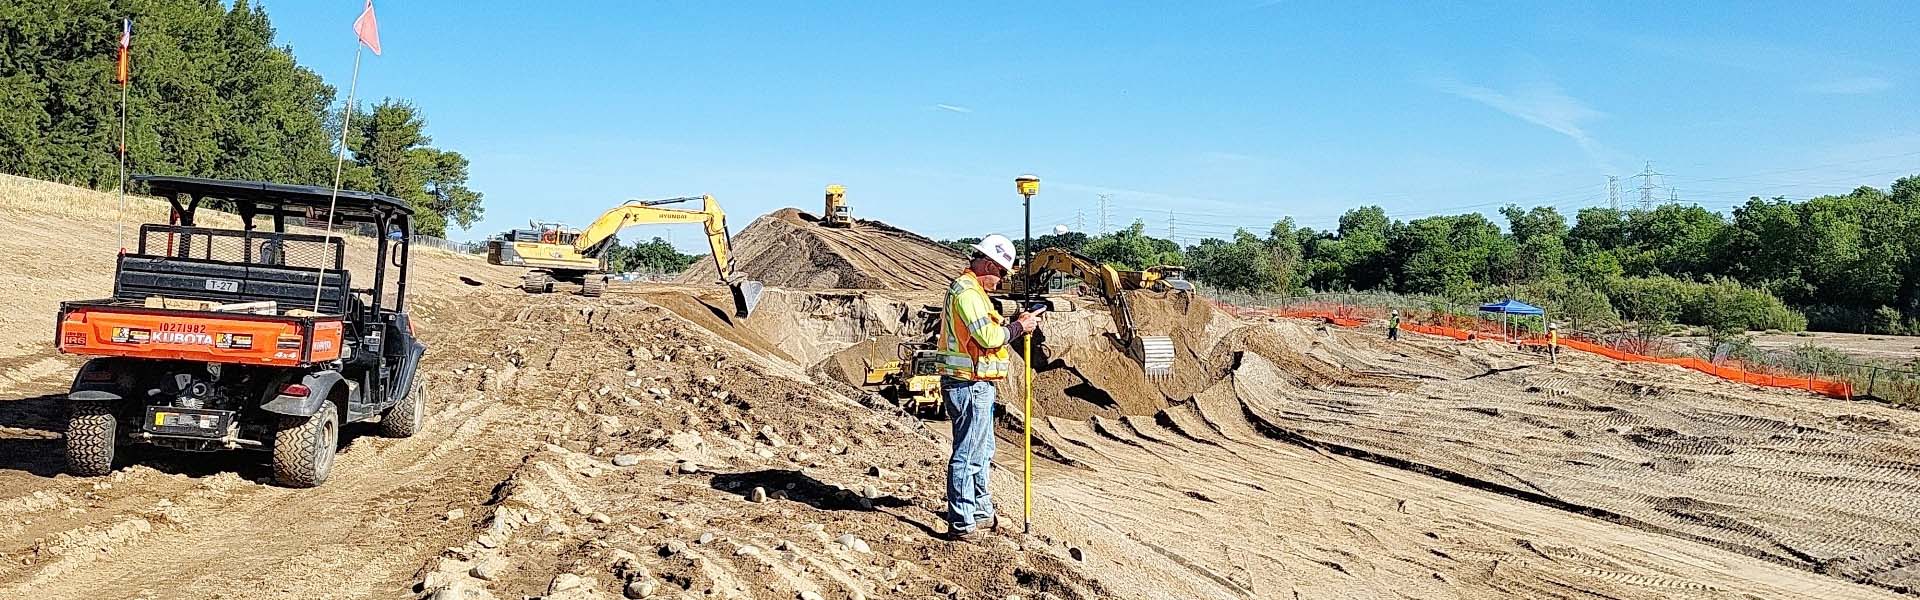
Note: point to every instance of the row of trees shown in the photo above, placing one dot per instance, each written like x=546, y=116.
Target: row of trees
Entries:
x=211, y=95
x=1841, y=262
x=655, y=256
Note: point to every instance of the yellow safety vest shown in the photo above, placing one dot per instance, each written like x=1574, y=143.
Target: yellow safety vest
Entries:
x=973, y=340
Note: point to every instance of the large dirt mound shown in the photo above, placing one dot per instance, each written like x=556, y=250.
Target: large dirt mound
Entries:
x=791, y=249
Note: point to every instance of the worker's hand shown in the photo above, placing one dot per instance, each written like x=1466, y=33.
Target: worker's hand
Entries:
x=1029, y=322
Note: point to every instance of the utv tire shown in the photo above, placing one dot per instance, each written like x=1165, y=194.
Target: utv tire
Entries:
x=303, y=447
x=91, y=434
x=402, y=420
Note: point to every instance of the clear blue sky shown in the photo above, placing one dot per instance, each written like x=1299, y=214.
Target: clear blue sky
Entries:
x=1230, y=114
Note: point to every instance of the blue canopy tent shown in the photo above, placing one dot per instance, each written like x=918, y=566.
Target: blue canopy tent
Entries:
x=1511, y=307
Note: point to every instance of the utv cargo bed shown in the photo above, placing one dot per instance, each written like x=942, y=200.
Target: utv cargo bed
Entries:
x=128, y=329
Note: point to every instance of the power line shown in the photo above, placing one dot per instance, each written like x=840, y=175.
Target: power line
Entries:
x=1646, y=186
x=1103, y=212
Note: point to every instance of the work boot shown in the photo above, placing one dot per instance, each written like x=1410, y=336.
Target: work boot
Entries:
x=960, y=535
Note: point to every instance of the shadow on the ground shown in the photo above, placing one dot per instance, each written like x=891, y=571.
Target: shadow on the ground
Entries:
x=802, y=488
x=32, y=440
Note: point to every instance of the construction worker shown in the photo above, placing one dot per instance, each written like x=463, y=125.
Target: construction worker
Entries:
x=1393, y=325
x=1553, y=343
x=973, y=355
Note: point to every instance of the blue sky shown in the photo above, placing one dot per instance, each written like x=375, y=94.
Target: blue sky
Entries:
x=1228, y=114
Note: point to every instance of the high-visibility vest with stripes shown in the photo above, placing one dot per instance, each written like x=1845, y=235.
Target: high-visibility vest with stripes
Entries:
x=963, y=355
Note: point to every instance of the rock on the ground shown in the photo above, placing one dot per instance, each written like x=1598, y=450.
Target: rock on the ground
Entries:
x=705, y=538
x=568, y=581
x=687, y=466
x=673, y=547
x=759, y=494
x=641, y=588
x=484, y=569
x=626, y=460
x=599, y=517
x=869, y=492
x=811, y=595
x=854, y=543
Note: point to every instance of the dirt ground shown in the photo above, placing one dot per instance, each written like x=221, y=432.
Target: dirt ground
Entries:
x=645, y=444
x=1897, y=349
x=790, y=249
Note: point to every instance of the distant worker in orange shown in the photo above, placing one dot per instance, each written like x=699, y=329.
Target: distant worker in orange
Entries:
x=1553, y=343
x=973, y=346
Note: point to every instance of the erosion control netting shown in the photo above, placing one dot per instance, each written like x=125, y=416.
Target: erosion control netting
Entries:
x=792, y=249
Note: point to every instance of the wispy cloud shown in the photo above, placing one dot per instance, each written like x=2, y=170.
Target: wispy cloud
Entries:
x=1850, y=86
x=1216, y=156
x=1540, y=103
x=955, y=108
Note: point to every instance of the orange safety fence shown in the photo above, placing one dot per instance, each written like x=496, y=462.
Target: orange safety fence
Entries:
x=1346, y=316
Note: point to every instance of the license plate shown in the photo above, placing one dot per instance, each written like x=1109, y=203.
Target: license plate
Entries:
x=223, y=285
x=197, y=422
x=167, y=419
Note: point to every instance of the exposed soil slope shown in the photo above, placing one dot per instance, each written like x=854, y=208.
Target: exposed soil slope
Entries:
x=791, y=249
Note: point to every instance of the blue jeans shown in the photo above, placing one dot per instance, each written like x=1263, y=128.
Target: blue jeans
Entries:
x=970, y=405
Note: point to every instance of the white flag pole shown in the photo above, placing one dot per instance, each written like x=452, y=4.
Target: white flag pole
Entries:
x=339, y=163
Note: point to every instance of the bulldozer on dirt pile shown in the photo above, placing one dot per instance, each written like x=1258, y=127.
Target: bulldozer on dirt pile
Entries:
x=556, y=253
x=221, y=339
x=837, y=213
x=1155, y=352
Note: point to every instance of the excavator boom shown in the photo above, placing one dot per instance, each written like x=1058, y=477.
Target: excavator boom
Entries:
x=592, y=242
x=1155, y=352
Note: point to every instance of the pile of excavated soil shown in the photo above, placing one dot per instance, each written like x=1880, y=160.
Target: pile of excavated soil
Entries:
x=1087, y=371
x=792, y=249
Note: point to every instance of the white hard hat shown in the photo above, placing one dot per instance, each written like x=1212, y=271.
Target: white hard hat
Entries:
x=998, y=248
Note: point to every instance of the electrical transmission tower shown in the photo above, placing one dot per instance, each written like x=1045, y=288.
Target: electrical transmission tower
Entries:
x=1613, y=192
x=1080, y=220
x=1103, y=212
x=1647, y=186
x=1170, y=237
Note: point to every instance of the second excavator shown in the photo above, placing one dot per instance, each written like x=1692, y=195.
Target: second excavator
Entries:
x=556, y=253
x=1155, y=352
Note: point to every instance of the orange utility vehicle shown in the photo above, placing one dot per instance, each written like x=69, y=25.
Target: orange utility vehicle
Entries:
x=249, y=338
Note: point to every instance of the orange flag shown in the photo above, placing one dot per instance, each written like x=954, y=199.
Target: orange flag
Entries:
x=126, y=44
x=368, y=29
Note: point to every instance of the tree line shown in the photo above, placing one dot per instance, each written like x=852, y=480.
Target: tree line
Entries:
x=1848, y=262
x=211, y=95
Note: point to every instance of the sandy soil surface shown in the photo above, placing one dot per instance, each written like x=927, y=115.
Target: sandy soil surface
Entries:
x=645, y=444
x=791, y=249
x=1896, y=349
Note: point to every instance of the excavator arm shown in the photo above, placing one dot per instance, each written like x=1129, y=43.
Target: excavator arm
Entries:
x=597, y=236
x=1155, y=353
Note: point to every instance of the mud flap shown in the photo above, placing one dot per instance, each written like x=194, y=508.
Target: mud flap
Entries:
x=746, y=296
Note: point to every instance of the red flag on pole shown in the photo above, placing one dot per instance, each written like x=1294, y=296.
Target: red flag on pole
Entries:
x=126, y=43
x=368, y=29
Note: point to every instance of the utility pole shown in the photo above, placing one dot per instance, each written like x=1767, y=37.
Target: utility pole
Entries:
x=1647, y=186
x=1613, y=192
x=1103, y=212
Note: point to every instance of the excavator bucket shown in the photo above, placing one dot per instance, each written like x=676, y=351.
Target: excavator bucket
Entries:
x=1155, y=353
x=746, y=296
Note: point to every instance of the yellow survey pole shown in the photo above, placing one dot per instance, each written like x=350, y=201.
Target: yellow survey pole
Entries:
x=1026, y=504
x=1028, y=185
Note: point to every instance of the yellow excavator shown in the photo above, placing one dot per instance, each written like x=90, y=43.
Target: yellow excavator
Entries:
x=557, y=253
x=837, y=213
x=1155, y=352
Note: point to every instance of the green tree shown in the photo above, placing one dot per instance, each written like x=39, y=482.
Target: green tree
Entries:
x=1244, y=264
